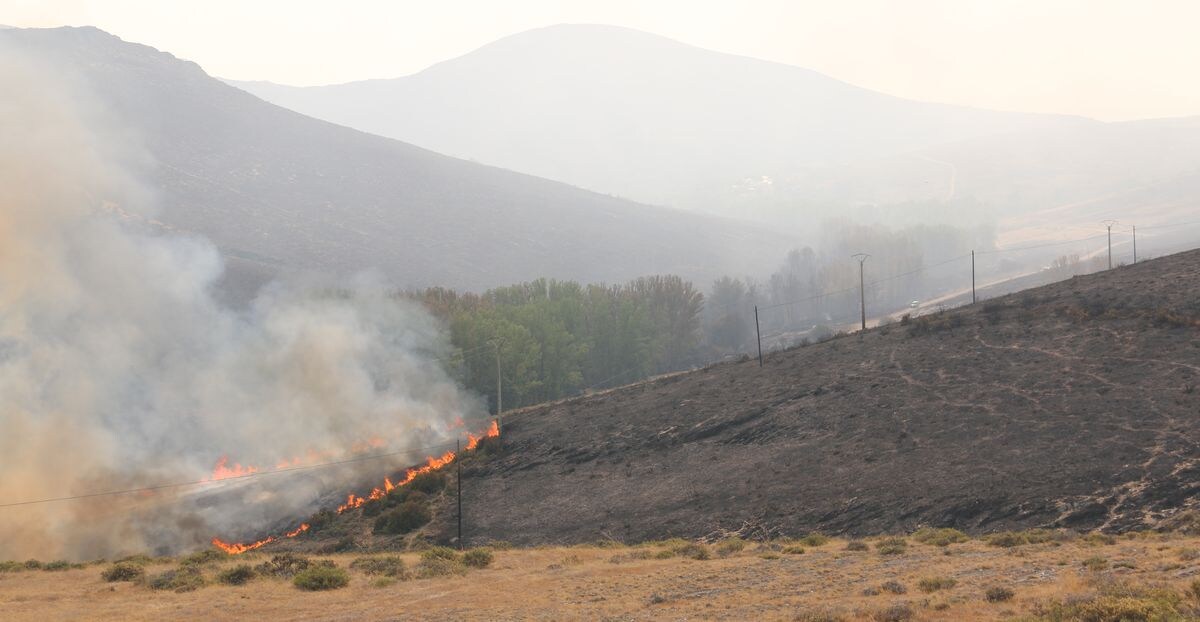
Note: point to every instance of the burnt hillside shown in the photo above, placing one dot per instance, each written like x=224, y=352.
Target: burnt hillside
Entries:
x=1074, y=405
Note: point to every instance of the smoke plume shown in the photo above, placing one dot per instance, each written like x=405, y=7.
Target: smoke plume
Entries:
x=119, y=368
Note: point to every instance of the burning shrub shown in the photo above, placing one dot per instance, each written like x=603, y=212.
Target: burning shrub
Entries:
x=284, y=565
x=183, y=579
x=477, y=558
x=321, y=577
x=411, y=514
x=238, y=575
x=123, y=571
x=940, y=537
x=388, y=566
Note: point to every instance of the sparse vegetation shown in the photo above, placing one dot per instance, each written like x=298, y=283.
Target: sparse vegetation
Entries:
x=899, y=612
x=185, y=578
x=412, y=514
x=240, y=574
x=1095, y=563
x=385, y=565
x=730, y=546
x=857, y=545
x=814, y=539
x=793, y=549
x=893, y=587
x=1009, y=539
x=891, y=546
x=997, y=594
x=123, y=571
x=934, y=584
x=321, y=577
x=478, y=558
x=207, y=556
x=433, y=567
x=940, y=537
x=284, y=565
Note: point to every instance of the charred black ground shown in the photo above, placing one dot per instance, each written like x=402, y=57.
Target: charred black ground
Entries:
x=1072, y=405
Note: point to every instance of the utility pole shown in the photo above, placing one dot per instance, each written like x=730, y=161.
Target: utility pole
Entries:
x=972, y=277
x=1134, y=243
x=758, y=334
x=1109, y=224
x=862, y=289
x=499, y=388
x=458, y=463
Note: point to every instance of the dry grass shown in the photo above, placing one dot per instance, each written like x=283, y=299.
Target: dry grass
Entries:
x=976, y=581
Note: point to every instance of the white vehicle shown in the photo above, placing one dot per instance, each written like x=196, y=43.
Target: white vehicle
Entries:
x=914, y=304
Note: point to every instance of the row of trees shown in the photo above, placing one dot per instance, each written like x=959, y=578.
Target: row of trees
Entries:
x=554, y=338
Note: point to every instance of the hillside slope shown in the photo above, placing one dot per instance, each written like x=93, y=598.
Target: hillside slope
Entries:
x=1073, y=405
x=638, y=115
x=279, y=192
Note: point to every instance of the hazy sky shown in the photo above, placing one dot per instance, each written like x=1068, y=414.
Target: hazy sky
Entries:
x=1109, y=59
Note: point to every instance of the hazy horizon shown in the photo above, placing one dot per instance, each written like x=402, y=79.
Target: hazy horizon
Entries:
x=1104, y=60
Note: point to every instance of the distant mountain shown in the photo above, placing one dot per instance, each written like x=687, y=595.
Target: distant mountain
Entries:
x=278, y=191
x=638, y=115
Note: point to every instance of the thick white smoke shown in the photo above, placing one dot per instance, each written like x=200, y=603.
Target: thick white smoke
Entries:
x=119, y=369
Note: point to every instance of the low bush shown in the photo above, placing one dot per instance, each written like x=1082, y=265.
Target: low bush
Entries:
x=207, y=556
x=694, y=550
x=440, y=552
x=477, y=558
x=428, y=483
x=898, y=612
x=11, y=566
x=891, y=546
x=238, y=575
x=140, y=560
x=1119, y=602
x=933, y=584
x=284, y=565
x=729, y=546
x=412, y=514
x=321, y=577
x=857, y=545
x=59, y=565
x=1099, y=539
x=123, y=571
x=387, y=566
x=793, y=549
x=998, y=594
x=820, y=616
x=940, y=537
x=185, y=578
x=814, y=539
x=1008, y=539
x=1095, y=563
x=432, y=567
x=33, y=564
x=893, y=587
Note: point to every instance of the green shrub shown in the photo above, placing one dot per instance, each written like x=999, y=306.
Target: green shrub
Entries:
x=33, y=564
x=123, y=571
x=380, y=582
x=321, y=577
x=11, y=566
x=814, y=539
x=729, y=546
x=1008, y=539
x=411, y=514
x=477, y=558
x=891, y=546
x=431, y=567
x=940, y=537
x=238, y=575
x=186, y=578
x=933, y=584
x=59, y=565
x=207, y=556
x=856, y=545
x=284, y=565
x=998, y=594
x=440, y=552
x=428, y=483
x=792, y=549
x=1119, y=602
x=664, y=554
x=387, y=566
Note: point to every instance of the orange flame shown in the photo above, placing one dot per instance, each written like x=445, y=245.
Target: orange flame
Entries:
x=223, y=471
x=354, y=501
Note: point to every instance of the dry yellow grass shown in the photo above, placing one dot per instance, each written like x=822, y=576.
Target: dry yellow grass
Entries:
x=629, y=583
